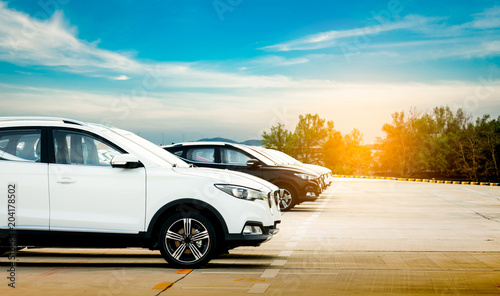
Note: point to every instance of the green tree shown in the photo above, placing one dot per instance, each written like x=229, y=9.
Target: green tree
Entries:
x=279, y=138
x=315, y=140
x=333, y=149
x=437, y=132
x=357, y=158
x=399, y=149
x=488, y=131
x=310, y=134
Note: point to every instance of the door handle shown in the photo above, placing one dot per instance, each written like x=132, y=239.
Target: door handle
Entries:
x=66, y=180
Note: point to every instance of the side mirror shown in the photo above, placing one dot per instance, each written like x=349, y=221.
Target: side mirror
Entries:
x=125, y=161
x=253, y=163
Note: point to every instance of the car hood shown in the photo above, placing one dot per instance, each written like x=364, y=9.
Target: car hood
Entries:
x=304, y=168
x=294, y=169
x=228, y=177
x=318, y=167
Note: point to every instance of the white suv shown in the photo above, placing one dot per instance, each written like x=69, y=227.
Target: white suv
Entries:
x=73, y=184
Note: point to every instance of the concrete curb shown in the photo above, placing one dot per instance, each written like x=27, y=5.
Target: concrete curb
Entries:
x=418, y=180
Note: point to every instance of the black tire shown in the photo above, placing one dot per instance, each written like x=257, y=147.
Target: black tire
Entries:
x=4, y=247
x=289, y=198
x=3, y=251
x=187, y=251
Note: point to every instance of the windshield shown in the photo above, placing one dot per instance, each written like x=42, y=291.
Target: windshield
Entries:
x=286, y=156
x=276, y=156
x=153, y=148
x=257, y=155
x=269, y=155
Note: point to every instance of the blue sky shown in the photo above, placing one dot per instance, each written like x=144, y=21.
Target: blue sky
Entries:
x=187, y=69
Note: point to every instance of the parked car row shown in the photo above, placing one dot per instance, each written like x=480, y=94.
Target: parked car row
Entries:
x=299, y=182
x=72, y=184
x=326, y=176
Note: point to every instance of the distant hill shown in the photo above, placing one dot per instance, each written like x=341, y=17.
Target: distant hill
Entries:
x=252, y=143
x=218, y=139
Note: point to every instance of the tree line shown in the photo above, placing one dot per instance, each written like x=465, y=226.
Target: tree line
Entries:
x=440, y=143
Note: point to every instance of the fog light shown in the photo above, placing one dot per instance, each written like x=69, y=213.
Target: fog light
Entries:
x=252, y=230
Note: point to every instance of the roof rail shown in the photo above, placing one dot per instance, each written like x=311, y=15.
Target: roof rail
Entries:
x=40, y=118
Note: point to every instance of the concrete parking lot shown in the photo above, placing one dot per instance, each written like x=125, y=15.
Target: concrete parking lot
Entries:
x=363, y=237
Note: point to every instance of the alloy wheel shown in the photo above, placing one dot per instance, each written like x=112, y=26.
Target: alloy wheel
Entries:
x=187, y=240
x=286, y=200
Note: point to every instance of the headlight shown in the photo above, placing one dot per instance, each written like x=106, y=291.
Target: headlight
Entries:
x=306, y=176
x=241, y=192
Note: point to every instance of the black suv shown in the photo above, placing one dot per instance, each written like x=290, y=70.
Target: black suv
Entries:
x=299, y=184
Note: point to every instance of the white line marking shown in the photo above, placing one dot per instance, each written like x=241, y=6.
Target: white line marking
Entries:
x=270, y=273
x=213, y=288
x=258, y=288
x=307, y=273
x=296, y=237
x=279, y=262
x=291, y=245
x=315, y=263
x=285, y=254
x=230, y=272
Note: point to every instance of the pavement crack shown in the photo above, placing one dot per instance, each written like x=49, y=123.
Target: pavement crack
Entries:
x=486, y=217
x=169, y=286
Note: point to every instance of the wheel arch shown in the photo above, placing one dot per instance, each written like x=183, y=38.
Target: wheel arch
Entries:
x=186, y=205
x=293, y=186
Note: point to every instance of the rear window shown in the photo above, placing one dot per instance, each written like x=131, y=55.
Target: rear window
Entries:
x=20, y=145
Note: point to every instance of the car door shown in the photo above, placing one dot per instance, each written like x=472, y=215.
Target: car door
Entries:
x=23, y=175
x=86, y=192
x=236, y=160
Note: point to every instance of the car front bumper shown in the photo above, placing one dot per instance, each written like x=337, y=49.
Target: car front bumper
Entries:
x=311, y=192
x=253, y=234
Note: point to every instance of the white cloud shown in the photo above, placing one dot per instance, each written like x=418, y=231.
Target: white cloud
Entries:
x=121, y=77
x=436, y=49
x=331, y=38
x=28, y=41
x=489, y=19
x=273, y=61
x=270, y=61
x=484, y=22
x=53, y=43
x=457, y=41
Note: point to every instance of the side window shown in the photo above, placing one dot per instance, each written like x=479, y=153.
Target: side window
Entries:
x=178, y=153
x=20, y=145
x=234, y=157
x=201, y=154
x=72, y=147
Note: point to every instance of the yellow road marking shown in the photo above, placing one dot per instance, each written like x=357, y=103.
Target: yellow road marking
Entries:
x=163, y=286
x=250, y=280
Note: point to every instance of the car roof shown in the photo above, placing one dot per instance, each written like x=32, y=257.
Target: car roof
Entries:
x=36, y=120
x=27, y=121
x=203, y=143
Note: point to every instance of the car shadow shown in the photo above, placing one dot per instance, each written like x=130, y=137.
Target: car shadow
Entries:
x=47, y=258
